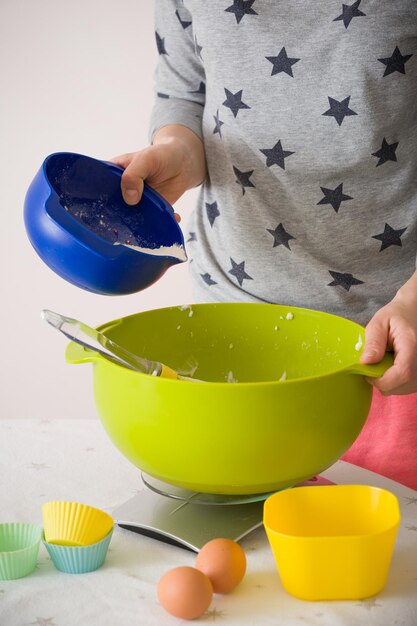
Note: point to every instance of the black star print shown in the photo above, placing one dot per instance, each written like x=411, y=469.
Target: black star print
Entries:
x=184, y=23
x=335, y=197
x=339, y=110
x=241, y=8
x=198, y=48
x=192, y=237
x=242, y=178
x=343, y=280
x=349, y=11
x=219, y=124
x=390, y=237
x=208, y=279
x=212, y=212
x=396, y=62
x=160, y=44
x=201, y=89
x=386, y=152
x=282, y=63
x=281, y=237
x=238, y=271
x=234, y=101
x=276, y=155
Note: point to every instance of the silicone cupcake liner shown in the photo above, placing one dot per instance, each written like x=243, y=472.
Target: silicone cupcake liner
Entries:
x=79, y=559
x=19, y=547
x=74, y=524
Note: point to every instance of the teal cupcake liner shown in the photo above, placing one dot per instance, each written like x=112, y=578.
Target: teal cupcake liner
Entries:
x=79, y=559
x=19, y=548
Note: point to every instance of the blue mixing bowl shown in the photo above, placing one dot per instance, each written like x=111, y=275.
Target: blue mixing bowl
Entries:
x=79, y=224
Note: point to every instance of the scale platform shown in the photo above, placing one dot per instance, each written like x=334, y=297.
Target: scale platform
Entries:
x=190, y=519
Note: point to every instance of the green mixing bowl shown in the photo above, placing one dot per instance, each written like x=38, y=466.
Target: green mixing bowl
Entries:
x=257, y=435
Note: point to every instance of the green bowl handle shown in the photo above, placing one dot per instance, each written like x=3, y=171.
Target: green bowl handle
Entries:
x=78, y=354
x=375, y=370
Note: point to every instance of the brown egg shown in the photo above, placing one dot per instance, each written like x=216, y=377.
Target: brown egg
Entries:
x=185, y=592
x=224, y=562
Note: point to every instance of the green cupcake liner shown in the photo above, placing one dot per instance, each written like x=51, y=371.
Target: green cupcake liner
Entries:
x=19, y=548
x=79, y=559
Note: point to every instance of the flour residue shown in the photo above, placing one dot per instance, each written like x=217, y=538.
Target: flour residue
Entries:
x=189, y=367
x=117, y=224
x=187, y=307
x=176, y=250
x=231, y=378
x=359, y=343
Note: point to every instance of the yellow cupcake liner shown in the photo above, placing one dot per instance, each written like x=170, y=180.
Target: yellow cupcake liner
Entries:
x=74, y=524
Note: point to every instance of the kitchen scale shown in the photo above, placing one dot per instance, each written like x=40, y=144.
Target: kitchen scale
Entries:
x=189, y=519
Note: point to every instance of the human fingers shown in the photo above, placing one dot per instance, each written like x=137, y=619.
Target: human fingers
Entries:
x=376, y=339
x=131, y=187
x=140, y=167
x=401, y=378
x=123, y=159
x=137, y=167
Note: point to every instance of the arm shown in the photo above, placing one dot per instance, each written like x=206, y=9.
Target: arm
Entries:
x=395, y=327
x=175, y=161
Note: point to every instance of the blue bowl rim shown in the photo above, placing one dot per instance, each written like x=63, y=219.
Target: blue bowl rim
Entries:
x=89, y=239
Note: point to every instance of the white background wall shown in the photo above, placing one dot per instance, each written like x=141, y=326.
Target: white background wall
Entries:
x=74, y=76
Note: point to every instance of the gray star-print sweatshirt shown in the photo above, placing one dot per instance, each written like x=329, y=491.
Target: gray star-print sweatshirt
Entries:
x=308, y=113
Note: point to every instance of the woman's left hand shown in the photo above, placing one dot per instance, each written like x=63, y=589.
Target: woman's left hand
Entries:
x=394, y=327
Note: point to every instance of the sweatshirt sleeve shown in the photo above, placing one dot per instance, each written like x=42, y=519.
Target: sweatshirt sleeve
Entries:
x=179, y=75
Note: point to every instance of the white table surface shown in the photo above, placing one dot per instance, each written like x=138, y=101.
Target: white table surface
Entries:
x=75, y=460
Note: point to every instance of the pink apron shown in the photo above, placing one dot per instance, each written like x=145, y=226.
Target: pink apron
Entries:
x=387, y=444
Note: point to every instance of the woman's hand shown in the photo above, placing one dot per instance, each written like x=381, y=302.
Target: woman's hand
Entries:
x=174, y=163
x=394, y=327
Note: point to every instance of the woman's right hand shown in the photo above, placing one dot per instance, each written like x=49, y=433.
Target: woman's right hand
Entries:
x=174, y=163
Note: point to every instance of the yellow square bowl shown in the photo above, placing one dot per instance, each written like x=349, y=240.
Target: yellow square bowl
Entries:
x=332, y=542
